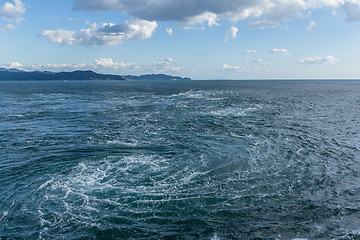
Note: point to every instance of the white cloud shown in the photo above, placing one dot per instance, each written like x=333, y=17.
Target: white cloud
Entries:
x=7, y=27
x=261, y=62
x=324, y=3
x=208, y=18
x=266, y=13
x=280, y=10
x=233, y=68
x=250, y=51
x=318, y=60
x=165, y=65
x=281, y=51
x=108, y=35
x=13, y=13
x=168, y=59
x=352, y=10
x=10, y=65
x=60, y=36
x=56, y=67
x=264, y=24
x=232, y=33
x=169, y=31
x=108, y=63
x=104, y=62
x=312, y=24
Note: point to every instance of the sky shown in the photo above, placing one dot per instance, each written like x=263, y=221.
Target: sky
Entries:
x=201, y=39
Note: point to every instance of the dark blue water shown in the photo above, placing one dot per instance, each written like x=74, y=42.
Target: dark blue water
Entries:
x=180, y=160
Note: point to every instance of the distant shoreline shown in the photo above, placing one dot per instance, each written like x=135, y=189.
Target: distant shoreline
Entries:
x=20, y=75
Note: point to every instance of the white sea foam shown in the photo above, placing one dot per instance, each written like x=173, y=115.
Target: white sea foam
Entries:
x=355, y=234
x=15, y=115
x=215, y=237
x=207, y=95
x=91, y=185
x=44, y=184
x=111, y=174
x=233, y=111
x=118, y=142
x=6, y=212
x=191, y=94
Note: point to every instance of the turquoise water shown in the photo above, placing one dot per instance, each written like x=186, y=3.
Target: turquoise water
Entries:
x=180, y=160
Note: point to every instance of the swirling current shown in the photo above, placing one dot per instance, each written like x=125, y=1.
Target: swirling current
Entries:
x=180, y=160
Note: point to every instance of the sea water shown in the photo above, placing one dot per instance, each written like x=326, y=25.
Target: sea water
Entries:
x=180, y=160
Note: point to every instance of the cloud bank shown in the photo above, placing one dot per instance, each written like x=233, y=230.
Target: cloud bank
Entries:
x=108, y=34
x=107, y=65
x=268, y=13
x=192, y=14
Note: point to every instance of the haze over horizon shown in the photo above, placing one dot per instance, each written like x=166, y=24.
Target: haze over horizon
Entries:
x=199, y=39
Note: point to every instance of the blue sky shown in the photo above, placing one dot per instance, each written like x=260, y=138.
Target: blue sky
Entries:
x=202, y=39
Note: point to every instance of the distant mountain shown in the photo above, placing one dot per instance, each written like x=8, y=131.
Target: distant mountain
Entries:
x=12, y=74
x=156, y=77
x=10, y=70
x=15, y=74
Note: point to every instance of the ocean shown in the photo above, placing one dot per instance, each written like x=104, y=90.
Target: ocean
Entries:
x=180, y=160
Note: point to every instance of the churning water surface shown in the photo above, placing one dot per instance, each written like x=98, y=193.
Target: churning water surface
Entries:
x=180, y=160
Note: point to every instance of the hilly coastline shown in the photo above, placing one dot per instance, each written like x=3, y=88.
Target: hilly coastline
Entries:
x=20, y=75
